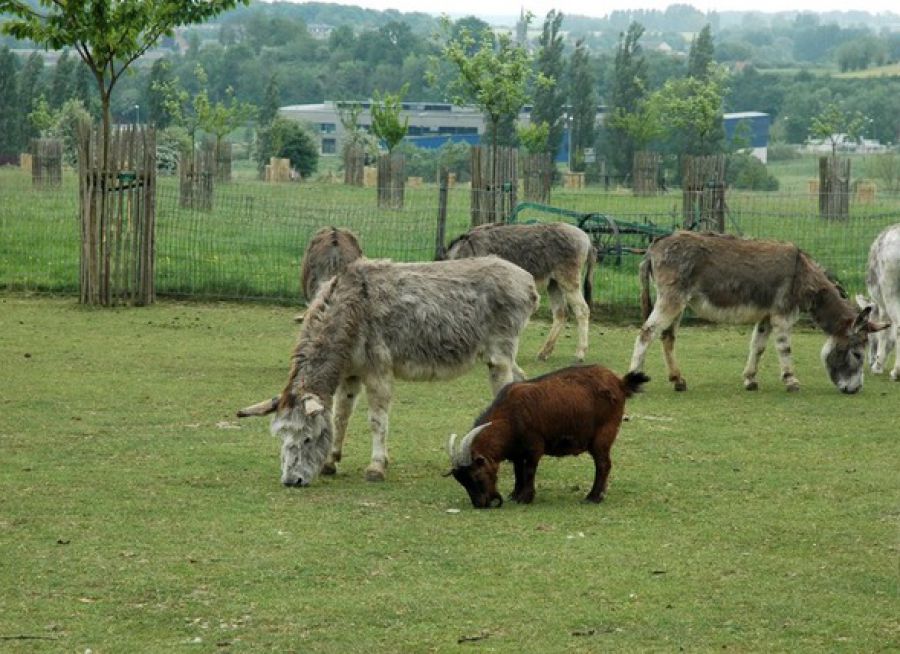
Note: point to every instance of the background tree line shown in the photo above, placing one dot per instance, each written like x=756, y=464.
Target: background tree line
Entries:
x=269, y=56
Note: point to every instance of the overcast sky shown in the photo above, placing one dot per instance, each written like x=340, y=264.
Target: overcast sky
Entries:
x=600, y=8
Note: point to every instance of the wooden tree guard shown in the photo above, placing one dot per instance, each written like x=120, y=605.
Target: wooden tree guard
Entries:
x=495, y=184
x=703, y=192
x=645, y=173
x=278, y=170
x=834, y=188
x=222, y=157
x=118, y=216
x=354, y=165
x=46, y=162
x=537, y=175
x=196, y=174
x=391, y=180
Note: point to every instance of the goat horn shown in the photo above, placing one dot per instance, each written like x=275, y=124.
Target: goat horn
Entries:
x=463, y=455
x=450, y=444
x=259, y=409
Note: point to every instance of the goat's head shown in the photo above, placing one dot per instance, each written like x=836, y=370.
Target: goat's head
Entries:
x=844, y=354
x=306, y=431
x=476, y=472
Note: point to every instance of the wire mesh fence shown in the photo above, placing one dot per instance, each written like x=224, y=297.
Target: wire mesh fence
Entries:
x=249, y=244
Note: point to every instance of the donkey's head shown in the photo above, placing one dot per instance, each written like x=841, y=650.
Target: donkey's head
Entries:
x=844, y=353
x=306, y=431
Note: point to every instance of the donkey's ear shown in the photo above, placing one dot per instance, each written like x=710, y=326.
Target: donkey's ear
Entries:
x=311, y=405
x=862, y=301
x=862, y=320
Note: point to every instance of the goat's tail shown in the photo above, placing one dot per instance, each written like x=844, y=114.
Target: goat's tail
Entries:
x=588, y=289
x=633, y=382
x=646, y=272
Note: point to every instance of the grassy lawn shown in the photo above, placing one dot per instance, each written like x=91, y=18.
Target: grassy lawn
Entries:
x=137, y=514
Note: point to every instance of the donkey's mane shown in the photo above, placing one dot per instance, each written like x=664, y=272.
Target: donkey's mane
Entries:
x=329, y=332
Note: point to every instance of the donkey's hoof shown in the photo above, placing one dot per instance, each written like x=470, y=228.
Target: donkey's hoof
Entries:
x=680, y=385
x=374, y=474
x=329, y=469
x=895, y=375
x=751, y=386
x=793, y=387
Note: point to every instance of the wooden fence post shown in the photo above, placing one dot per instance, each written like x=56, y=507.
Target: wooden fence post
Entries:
x=118, y=216
x=354, y=164
x=443, y=185
x=391, y=180
x=645, y=173
x=703, y=192
x=834, y=188
x=495, y=184
x=537, y=175
x=46, y=162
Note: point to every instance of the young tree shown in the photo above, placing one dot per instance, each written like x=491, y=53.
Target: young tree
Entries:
x=159, y=84
x=550, y=99
x=10, y=110
x=493, y=76
x=40, y=118
x=690, y=110
x=386, y=124
x=30, y=90
x=222, y=118
x=701, y=54
x=833, y=124
x=109, y=35
x=271, y=103
x=583, y=100
x=61, y=80
x=628, y=90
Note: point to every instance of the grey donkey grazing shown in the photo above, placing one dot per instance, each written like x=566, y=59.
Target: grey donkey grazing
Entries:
x=378, y=321
x=728, y=279
x=555, y=254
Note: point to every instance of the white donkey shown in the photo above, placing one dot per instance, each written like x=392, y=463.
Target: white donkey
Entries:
x=883, y=284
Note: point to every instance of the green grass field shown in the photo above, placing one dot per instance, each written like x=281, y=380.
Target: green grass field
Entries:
x=138, y=514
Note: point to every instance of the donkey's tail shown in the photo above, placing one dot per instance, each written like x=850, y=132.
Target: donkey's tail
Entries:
x=588, y=288
x=646, y=273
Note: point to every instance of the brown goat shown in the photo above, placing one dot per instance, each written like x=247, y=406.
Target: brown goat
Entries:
x=566, y=412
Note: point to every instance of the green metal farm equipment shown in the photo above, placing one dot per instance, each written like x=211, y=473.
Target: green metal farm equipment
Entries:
x=611, y=237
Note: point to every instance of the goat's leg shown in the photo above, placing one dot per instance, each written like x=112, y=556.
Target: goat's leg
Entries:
x=758, y=341
x=526, y=491
x=782, y=328
x=378, y=392
x=519, y=470
x=602, y=466
x=344, y=402
x=558, y=307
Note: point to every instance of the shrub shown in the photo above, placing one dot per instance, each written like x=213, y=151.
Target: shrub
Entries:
x=287, y=139
x=745, y=171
